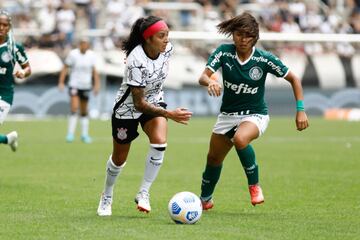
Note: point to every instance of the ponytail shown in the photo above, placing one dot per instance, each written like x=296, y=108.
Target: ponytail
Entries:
x=135, y=38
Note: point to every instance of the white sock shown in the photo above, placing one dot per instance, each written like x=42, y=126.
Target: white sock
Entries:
x=112, y=171
x=84, y=126
x=154, y=161
x=72, y=123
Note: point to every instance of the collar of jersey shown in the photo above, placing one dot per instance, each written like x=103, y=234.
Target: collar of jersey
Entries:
x=4, y=44
x=247, y=60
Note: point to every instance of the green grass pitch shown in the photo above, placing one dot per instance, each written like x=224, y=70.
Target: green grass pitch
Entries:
x=50, y=189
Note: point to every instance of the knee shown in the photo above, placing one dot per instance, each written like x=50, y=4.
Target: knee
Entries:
x=158, y=140
x=83, y=112
x=240, y=142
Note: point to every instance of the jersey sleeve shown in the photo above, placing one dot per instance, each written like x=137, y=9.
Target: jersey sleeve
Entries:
x=214, y=61
x=136, y=73
x=276, y=66
x=69, y=60
x=20, y=54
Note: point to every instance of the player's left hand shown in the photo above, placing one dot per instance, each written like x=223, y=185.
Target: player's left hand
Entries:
x=301, y=120
x=180, y=115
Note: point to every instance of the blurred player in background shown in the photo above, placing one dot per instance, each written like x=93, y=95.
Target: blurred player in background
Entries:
x=140, y=101
x=10, y=54
x=244, y=115
x=81, y=64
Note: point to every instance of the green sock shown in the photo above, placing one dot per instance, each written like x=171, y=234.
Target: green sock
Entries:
x=210, y=178
x=3, y=139
x=248, y=161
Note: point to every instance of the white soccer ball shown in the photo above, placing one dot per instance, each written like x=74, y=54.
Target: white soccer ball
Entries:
x=185, y=208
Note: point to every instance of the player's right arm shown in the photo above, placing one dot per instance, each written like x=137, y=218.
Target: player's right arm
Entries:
x=180, y=115
x=69, y=61
x=62, y=77
x=213, y=86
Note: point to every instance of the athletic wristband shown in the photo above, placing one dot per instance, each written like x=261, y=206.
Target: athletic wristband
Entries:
x=300, y=105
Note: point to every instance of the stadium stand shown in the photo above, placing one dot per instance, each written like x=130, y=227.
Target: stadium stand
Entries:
x=50, y=28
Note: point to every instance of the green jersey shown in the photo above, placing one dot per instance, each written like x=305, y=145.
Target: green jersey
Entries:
x=6, y=70
x=244, y=82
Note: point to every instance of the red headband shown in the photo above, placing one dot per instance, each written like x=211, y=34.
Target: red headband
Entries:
x=152, y=29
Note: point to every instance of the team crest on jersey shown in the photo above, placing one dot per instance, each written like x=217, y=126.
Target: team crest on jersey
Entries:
x=5, y=57
x=255, y=73
x=121, y=134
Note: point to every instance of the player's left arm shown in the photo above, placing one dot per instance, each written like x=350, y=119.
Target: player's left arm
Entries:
x=96, y=81
x=22, y=59
x=301, y=117
x=180, y=115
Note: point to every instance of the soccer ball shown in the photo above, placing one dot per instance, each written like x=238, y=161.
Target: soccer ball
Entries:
x=185, y=208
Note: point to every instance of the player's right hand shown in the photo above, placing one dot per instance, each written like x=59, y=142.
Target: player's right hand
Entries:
x=180, y=115
x=61, y=86
x=214, y=89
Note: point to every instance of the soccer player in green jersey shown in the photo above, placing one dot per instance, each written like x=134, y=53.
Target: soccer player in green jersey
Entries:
x=243, y=114
x=10, y=53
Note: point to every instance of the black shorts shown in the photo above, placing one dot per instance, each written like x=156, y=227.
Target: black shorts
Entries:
x=125, y=130
x=82, y=93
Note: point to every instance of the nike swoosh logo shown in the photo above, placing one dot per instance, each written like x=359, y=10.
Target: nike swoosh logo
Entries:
x=155, y=159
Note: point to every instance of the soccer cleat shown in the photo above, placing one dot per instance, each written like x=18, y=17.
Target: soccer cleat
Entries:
x=86, y=139
x=256, y=194
x=12, y=139
x=142, y=200
x=206, y=205
x=69, y=138
x=104, y=208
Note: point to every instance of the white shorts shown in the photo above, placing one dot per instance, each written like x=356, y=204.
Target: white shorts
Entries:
x=4, y=110
x=228, y=121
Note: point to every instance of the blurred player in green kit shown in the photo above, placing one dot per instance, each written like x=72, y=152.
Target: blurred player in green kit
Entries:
x=10, y=53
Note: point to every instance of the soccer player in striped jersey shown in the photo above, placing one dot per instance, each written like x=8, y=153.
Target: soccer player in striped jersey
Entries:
x=10, y=54
x=243, y=114
x=140, y=100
